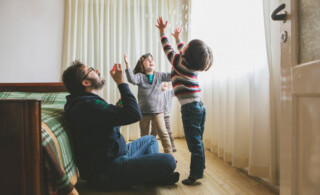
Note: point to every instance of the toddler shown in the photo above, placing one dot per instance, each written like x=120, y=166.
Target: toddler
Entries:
x=193, y=57
x=167, y=94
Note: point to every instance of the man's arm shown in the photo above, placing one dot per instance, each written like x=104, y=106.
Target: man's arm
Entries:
x=130, y=111
x=130, y=108
x=100, y=113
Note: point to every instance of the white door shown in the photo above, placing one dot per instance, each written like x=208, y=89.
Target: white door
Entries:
x=300, y=99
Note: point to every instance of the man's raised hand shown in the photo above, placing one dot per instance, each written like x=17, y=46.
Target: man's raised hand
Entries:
x=117, y=74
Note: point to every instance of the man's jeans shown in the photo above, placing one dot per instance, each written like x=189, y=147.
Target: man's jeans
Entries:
x=142, y=164
x=193, y=119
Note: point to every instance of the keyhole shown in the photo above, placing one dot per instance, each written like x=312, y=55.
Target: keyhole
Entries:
x=284, y=36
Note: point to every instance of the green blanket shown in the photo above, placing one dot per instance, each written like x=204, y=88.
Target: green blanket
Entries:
x=60, y=167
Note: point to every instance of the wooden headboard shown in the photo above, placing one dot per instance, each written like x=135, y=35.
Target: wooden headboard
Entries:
x=33, y=87
x=20, y=139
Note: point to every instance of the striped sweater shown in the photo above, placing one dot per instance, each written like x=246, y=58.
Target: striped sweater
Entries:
x=184, y=81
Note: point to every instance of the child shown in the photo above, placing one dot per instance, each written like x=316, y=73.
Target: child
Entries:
x=167, y=94
x=149, y=97
x=195, y=56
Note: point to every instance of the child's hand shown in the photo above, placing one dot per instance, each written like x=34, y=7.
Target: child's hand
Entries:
x=176, y=33
x=162, y=26
x=126, y=61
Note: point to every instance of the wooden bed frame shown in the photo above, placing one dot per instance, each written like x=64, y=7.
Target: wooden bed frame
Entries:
x=33, y=87
x=20, y=140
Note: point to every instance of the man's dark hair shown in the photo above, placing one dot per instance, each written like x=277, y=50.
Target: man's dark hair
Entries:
x=198, y=55
x=72, y=78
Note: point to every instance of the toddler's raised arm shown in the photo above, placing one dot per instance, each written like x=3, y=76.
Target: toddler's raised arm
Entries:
x=173, y=57
x=176, y=35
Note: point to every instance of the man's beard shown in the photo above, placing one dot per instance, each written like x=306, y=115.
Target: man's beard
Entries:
x=97, y=84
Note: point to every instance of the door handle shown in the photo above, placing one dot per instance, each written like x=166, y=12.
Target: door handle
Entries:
x=276, y=16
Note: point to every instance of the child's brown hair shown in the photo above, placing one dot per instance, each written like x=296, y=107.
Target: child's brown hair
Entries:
x=139, y=66
x=198, y=55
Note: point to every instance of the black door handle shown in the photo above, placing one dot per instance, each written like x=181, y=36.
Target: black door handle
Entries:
x=275, y=14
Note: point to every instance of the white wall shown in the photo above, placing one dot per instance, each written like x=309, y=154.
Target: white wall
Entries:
x=31, y=35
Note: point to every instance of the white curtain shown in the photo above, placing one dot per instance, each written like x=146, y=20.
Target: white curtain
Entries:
x=237, y=89
x=99, y=32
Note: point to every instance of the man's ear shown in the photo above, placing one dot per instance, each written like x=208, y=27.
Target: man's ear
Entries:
x=86, y=83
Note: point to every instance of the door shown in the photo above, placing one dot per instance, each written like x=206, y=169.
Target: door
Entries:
x=300, y=98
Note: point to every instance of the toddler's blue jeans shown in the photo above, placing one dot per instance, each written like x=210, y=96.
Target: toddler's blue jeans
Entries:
x=193, y=119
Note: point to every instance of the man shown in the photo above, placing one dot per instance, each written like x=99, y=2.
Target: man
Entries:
x=103, y=157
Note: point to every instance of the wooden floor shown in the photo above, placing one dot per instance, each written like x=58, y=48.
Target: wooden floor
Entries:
x=219, y=178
